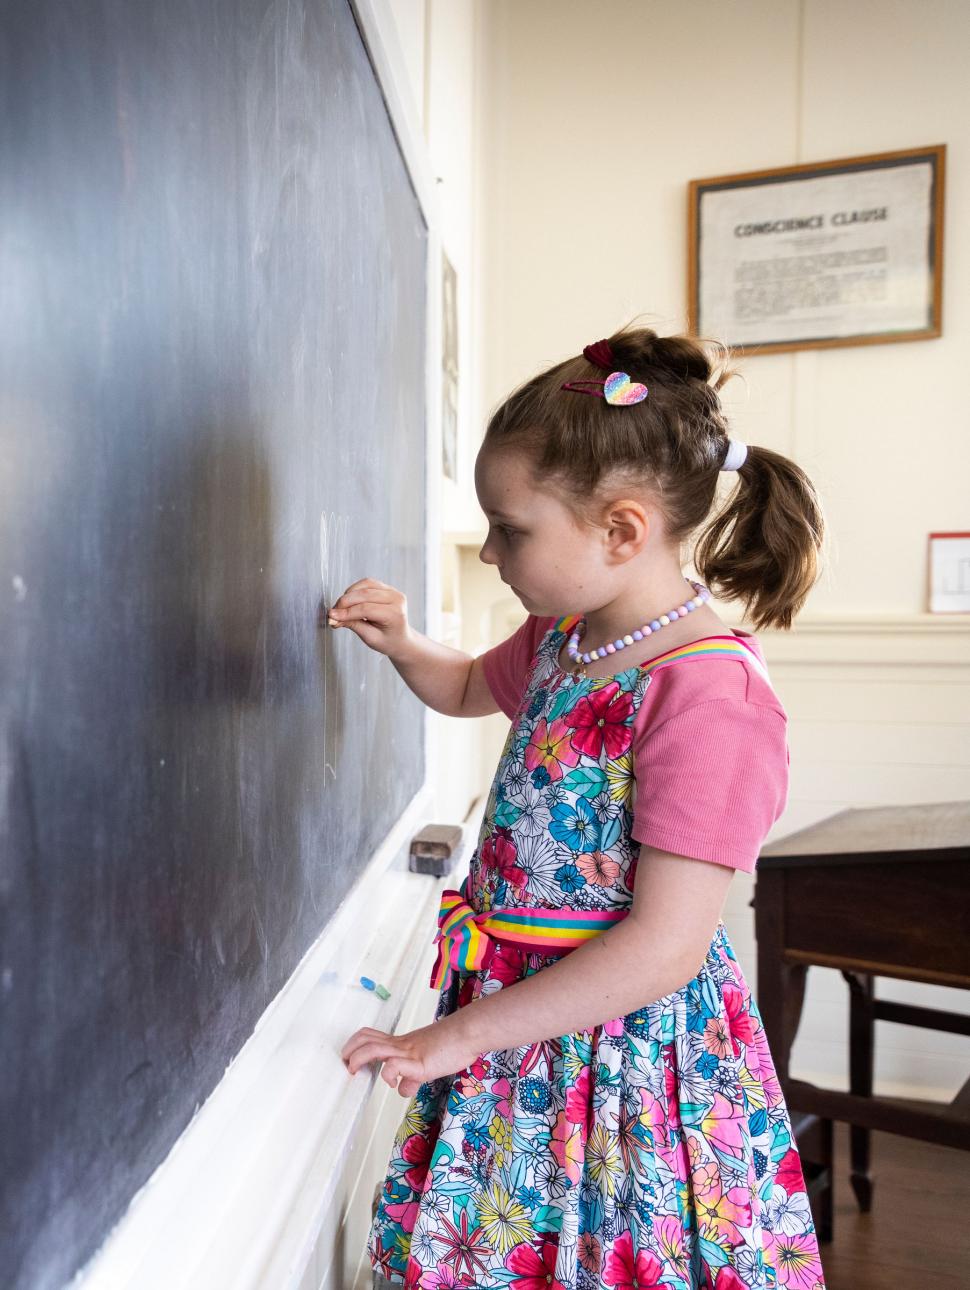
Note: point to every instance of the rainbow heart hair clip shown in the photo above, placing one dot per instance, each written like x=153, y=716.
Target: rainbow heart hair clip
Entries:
x=617, y=389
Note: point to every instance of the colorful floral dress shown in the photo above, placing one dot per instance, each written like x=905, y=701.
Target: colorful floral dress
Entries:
x=654, y=1150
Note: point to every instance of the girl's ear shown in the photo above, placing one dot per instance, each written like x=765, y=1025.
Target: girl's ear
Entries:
x=628, y=521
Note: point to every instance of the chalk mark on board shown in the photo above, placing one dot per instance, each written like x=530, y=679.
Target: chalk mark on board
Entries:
x=260, y=933
x=332, y=551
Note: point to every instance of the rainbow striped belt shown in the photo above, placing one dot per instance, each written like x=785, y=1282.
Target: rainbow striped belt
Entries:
x=466, y=940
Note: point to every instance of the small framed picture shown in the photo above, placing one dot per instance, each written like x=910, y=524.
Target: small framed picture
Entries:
x=846, y=252
x=949, y=573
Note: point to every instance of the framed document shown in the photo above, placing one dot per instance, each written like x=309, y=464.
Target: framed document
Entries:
x=949, y=561
x=845, y=252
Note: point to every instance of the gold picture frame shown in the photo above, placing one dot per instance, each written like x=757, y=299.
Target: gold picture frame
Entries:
x=848, y=252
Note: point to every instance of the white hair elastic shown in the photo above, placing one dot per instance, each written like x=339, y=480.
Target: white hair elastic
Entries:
x=735, y=455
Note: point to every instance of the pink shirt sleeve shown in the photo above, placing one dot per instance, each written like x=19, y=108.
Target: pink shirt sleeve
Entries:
x=711, y=762
x=506, y=665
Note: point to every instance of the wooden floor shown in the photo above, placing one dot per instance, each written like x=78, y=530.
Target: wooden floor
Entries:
x=917, y=1234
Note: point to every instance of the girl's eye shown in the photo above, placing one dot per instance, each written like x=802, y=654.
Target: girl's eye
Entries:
x=507, y=531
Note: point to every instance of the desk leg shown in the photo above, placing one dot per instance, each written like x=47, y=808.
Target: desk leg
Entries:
x=781, y=994
x=782, y=997
x=781, y=985
x=861, y=1061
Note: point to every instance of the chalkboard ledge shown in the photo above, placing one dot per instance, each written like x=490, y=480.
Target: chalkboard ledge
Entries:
x=250, y=1192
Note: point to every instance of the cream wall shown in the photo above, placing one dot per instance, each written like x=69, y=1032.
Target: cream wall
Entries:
x=601, y=114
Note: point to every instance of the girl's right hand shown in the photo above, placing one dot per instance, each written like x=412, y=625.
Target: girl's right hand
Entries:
x=375, y=612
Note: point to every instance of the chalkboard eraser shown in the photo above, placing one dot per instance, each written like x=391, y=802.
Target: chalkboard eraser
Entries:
x=433, y=848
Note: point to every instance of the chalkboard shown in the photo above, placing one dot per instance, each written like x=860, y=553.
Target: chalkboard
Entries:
x=213, y=273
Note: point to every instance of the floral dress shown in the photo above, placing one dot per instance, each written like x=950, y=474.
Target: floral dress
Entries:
x=654, y=1150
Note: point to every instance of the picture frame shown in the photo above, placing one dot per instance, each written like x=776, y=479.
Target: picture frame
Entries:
x=832, y=253
x=948, y=573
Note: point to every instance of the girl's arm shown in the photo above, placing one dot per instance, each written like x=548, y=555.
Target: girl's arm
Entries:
x=436, y=673
x=377, y=613
x=655, y=950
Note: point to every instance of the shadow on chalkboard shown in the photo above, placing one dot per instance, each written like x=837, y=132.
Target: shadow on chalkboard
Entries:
x=247, y=698
x=225, y=634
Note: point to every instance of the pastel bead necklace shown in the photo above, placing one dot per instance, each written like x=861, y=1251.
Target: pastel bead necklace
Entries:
x=681, y=611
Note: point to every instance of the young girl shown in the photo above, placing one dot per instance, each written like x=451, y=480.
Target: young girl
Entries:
x=595, y=1104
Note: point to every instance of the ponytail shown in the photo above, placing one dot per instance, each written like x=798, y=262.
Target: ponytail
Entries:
x=763, y=547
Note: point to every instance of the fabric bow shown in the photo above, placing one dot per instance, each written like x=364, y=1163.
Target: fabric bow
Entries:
x=463, y=945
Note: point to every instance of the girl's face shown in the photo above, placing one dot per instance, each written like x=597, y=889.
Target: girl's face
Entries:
x=551, y=564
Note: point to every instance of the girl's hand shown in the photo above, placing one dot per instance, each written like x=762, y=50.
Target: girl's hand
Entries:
x=420, y=1055
x=375, y=612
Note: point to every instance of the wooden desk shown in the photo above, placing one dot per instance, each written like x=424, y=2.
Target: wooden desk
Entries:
x=880, y=891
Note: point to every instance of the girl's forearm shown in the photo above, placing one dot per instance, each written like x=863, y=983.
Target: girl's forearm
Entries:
x=609, y=976
x=436, y=673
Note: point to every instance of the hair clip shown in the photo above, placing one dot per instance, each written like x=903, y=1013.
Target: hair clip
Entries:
x=617, y=389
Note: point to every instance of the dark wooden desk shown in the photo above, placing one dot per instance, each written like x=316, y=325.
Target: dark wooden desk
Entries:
x=880, y=891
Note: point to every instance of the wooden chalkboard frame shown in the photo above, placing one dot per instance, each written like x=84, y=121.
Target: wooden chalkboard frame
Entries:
x=255, y=1174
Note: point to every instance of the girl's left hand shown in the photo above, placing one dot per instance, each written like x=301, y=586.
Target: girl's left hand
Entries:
x=414, y=1057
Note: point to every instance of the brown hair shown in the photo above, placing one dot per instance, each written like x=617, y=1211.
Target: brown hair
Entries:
x=761, y=548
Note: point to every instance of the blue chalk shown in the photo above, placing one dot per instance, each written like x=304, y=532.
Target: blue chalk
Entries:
x=367, y=982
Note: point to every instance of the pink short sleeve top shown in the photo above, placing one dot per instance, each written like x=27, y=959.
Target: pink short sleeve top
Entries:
x=710, y=748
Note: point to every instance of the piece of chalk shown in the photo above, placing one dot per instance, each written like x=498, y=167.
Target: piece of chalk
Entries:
x=382, y=991
x=367, y=983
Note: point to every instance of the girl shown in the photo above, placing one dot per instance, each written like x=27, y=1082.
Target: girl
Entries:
x=595, y=1104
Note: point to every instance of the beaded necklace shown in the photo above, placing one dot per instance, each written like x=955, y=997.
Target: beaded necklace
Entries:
x=680, y=611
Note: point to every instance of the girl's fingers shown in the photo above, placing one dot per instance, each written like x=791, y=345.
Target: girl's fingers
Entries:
x=374, y=613
x=346, y=605
x=372, y=595
x=369, y=1051
x=359, y=1037
x=400, y=1068
x=365, y=587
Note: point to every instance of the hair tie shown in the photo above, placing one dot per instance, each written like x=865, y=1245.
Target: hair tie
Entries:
x=735, y=456
x=601, y=355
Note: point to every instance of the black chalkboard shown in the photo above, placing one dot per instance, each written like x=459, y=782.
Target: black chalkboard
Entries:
x=212, y=408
